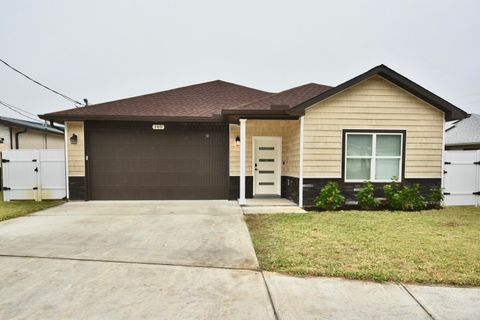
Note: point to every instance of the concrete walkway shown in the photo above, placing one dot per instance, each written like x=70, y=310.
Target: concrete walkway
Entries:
x=180, y=260
x=334, y=298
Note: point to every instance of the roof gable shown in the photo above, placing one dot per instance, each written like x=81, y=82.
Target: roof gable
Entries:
x=451, y=112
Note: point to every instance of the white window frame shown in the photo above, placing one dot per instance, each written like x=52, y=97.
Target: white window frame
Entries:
x=373, y=157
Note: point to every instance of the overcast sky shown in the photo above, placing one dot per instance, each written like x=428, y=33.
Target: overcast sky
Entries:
x=106, y=50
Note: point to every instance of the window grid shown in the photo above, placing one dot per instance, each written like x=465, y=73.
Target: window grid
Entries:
x=373, y=157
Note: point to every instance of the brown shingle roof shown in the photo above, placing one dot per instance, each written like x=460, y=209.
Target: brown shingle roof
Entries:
x=204, y=100
x=199, y=101
x=288, y=98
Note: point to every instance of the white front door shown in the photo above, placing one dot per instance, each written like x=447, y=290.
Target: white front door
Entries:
x=267, y=165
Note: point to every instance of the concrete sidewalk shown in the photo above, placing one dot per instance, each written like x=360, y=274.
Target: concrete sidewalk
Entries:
x=334, y=298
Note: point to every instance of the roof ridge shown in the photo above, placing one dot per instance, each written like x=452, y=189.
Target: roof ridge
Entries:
x=165, y=91
x=174, y=89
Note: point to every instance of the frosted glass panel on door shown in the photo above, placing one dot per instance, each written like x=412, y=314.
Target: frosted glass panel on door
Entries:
x=358, y=169
x=386, y=169
x=359, y=145
x=388, y=145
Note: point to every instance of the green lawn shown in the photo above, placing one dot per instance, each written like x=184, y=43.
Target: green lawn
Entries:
x=13, y=209
x=436, y=246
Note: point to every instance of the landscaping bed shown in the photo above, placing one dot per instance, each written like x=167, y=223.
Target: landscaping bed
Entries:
x=431, y=246
x=14, y=209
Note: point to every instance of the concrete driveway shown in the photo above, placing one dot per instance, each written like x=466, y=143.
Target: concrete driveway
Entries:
x=131, y=260
x=193, y=233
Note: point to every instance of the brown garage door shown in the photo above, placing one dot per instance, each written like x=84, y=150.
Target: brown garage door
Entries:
x=132, y=161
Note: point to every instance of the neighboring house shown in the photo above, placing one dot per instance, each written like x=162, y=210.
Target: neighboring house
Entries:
x=22, y=134
x=464, y=134
x=219, y=140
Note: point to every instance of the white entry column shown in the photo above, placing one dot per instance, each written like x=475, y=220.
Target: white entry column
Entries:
x=243, y=155
x=300, y=171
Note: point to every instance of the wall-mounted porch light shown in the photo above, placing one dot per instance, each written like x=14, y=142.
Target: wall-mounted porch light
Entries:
x=237, y=141
x=74, y=139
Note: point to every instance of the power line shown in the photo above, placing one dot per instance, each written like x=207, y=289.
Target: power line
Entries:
x=22, y=110
x=42, y=85
x=16, y=109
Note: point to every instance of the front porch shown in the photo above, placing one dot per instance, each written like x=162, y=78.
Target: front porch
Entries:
x=270, y=206
x=265, y=158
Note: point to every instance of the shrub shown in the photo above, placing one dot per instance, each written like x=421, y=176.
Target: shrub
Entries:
x=366, y=197
x=329, y=197
x=404, y=198
x=435, y=197
x=391, y=189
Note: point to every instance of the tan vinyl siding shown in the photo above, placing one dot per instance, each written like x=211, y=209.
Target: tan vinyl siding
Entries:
x=289, y=130
x=373, y=104
x=35, y=139
x=76, y=152
x=55, y=142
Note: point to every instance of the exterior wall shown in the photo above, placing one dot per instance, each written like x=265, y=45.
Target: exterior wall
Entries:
x=55, y=142
x=291, y=152
x=76, y=152
x=311, y=186
x=373, y=104
x=289, y=130
x=5, y=135
x=34, y=139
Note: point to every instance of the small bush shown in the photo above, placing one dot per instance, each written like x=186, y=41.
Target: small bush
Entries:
x=330, y=197
x=366, y=197
x=404, y=198
x=435, y=198
x=391, y=189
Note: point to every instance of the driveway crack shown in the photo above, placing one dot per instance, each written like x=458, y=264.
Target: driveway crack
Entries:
x=270, y=296
x=129, y=262
x=416, y=300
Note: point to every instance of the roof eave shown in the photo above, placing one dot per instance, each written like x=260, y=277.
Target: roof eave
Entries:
x=20, y=125
x=461, y=144
x=63, y=118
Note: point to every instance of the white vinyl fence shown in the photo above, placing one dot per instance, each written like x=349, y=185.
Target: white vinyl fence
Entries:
x=33, y=174
x=462, y=177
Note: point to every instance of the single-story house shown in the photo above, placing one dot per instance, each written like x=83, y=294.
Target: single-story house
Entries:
x=219, y=140
x=463, y=134
x=23, y=134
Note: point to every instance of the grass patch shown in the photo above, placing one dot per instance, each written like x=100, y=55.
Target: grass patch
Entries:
x=14, y=209
x=434, y=246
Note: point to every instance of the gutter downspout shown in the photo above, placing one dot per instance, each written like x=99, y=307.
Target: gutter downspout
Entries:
x=11, y=138
x=17, y=134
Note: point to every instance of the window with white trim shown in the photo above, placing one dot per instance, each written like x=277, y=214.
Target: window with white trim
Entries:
x=373, y=156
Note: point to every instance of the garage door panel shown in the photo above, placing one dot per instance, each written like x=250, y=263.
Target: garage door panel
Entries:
x=132, y=161
x=165, y=193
